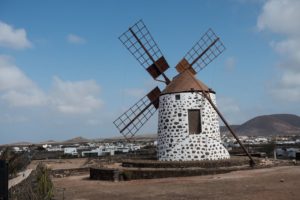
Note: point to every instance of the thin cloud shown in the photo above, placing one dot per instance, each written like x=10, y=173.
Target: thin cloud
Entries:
x=75, y=97
x=228, y=105
x=230, y=63
x=75, y=39
x=13, y=38
x=134, y=92
x=230, y=109
x=16, y=88
x=69, y=97
x=278, y=17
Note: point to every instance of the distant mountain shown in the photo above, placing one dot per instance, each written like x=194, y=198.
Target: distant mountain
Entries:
x=266, y=125
x=224, y=129
x=18, y=144
x=77, y=140
x=48, y=142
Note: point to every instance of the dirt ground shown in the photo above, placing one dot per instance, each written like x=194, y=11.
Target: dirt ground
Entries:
x=266, y=184
x=62, y=163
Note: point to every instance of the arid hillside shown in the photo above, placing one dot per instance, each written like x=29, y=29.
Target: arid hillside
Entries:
x=266, y=125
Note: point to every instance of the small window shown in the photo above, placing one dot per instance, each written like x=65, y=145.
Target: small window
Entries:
x=177, y=96
x=194, y=118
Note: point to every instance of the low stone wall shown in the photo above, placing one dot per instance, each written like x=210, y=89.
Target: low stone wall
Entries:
x=152, y=173
x=133, y=174
x=105, y=174
x=235, y=161
x=133, y=170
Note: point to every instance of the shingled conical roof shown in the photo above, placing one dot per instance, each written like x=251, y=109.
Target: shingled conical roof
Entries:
x=185, y=82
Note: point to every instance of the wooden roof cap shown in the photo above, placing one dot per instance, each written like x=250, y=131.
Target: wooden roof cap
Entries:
x=185, y=82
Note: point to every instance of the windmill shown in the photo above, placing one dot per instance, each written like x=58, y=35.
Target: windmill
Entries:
x=188, y=127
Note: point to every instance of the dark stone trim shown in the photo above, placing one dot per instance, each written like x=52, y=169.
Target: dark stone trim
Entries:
x=210, y=91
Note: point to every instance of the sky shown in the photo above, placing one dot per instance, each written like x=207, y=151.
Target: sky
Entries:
x=64, y=73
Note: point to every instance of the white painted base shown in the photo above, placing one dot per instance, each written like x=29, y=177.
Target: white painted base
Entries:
x=175, y=143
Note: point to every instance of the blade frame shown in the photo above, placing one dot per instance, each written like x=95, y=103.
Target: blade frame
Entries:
x=140, y=43
x=208, y=48
x=132, y=120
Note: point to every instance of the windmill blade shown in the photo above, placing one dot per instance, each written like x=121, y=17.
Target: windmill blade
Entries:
x=202, y=53
x=136, y=116
x=138, y=40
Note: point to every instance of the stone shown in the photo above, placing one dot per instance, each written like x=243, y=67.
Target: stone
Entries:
x=186, y=144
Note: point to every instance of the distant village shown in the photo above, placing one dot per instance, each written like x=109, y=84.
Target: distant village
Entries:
x=286, y=147
x=82, y=149
x=282, y=146
x=80, y=156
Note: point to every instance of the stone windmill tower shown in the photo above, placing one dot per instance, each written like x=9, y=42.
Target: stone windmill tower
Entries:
x=188, y=126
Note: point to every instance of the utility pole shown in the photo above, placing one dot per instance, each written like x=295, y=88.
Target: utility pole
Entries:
x=275, y=147
x=3, y=180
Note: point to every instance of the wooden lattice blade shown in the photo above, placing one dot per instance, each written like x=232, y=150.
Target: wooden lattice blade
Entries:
x=130, y=122
x=202, y=53
x=140, y=43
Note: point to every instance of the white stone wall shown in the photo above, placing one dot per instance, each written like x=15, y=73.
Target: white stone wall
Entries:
x=174, y=141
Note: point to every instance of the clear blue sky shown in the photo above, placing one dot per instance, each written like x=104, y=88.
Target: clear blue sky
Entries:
x=64, y=73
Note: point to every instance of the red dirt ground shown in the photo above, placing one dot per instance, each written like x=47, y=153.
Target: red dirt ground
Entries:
x=265, y=184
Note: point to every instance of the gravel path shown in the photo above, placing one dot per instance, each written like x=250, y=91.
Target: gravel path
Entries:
x=20, y=177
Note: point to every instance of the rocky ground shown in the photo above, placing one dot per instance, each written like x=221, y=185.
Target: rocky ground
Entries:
x=267, y=184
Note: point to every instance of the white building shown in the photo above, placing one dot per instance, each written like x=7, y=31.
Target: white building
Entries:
x=46, y=146
x=261, y=140
x=134, y=147
x=71, y=151
x=93, y=152
x=188, y=126
x=287, y=152
x=110, y=150
x=17, y=149
x=55, y=148
x=123, y=149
